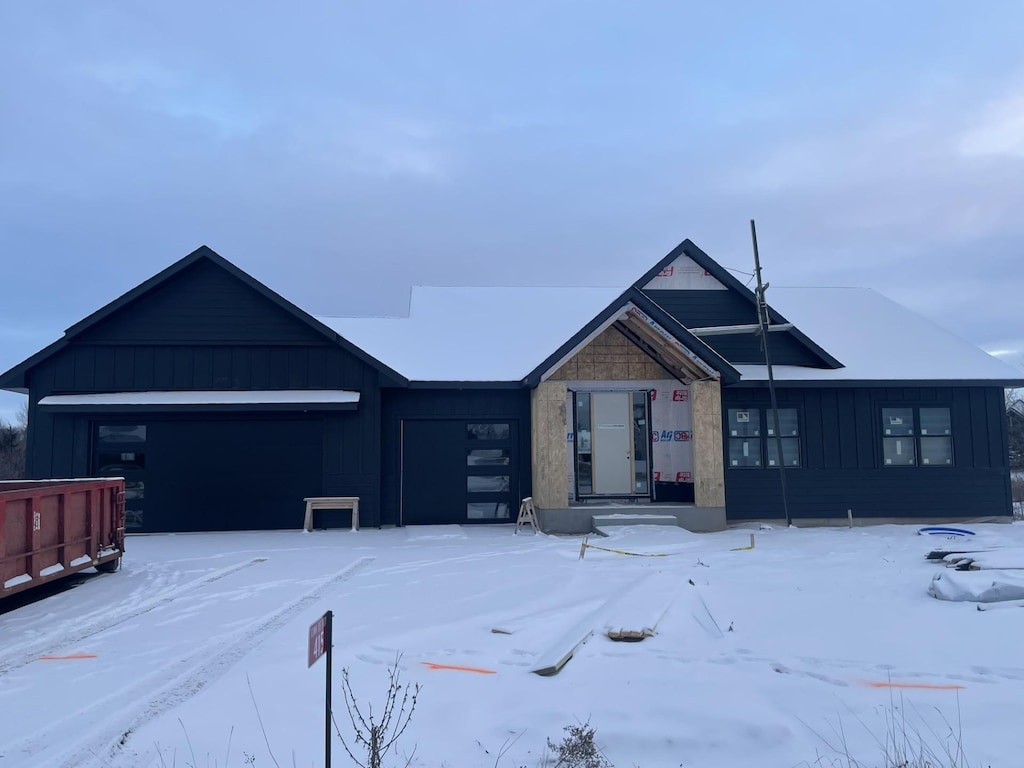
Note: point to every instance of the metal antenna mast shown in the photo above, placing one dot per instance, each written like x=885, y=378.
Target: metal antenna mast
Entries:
x=763, y=321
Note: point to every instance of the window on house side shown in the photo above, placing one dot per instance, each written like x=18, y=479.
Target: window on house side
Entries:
x=917, y=436
x=753, y=442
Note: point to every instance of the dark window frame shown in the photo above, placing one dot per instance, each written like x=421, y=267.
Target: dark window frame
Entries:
x=135, y=441
x=916, y=434
x=504, y=440
x=762, y=438
x=648, y=446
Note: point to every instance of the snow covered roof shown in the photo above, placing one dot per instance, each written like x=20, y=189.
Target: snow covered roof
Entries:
x=475, y=334
x=503, y=334
x=207, y=397
x=876, y=339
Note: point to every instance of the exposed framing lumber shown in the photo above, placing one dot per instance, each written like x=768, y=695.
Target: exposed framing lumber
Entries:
x=735, y=330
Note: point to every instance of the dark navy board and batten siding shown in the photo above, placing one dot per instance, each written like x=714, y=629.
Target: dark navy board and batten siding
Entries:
x=707, y=309
x=204, y=329
x=201, y=304
x=495, y=405
x=842, y=468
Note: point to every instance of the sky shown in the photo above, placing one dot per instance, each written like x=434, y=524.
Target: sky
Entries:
x=341, y=152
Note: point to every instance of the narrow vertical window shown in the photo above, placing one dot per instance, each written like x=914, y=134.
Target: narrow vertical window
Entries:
x=936, y=437
x=584, y=465
x=788, y=437
x=744, y=437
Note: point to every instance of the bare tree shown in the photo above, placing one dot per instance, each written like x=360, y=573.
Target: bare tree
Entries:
x=12, y=451
x=377, y=735
x=1015, y=423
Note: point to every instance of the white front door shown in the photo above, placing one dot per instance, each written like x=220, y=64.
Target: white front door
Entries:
x=612, y=438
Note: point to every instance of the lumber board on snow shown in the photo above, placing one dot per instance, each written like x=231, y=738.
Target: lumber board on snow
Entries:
x=1008, y=558
x=636, y=614
x=517, y=624
x=942, y=554
x=558, y=653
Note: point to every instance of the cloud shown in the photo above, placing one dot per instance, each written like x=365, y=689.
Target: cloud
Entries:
x=998, y=131
x=353, y=138
x=178, y=93
x=919, y=172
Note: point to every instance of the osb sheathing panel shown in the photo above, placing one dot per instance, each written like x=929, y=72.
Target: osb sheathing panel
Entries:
x=550, y=452
x=708, y=460
x=610, y=357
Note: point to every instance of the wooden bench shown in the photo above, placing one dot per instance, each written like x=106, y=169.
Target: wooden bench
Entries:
x=331, y=502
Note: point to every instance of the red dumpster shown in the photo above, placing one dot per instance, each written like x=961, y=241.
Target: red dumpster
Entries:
x=52, y=528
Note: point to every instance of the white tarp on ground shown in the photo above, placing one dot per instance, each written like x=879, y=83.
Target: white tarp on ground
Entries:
x=977, y=586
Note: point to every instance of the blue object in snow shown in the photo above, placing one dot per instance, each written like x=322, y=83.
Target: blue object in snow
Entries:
x=944, y=530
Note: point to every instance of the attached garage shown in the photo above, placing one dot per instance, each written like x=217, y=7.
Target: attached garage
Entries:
x=201, y=461
x=237, y=473
x=221, y=404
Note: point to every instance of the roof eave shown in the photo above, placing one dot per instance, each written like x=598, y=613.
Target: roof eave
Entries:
x=15, y=379
x=851, y=382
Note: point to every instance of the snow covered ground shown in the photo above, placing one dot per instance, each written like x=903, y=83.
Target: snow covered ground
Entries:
x=812, y=621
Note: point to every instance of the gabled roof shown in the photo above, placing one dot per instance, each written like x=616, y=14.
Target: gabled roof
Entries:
x=632, y=296
x=880, y=341
x=517, y=336
x=15, y=377
x=461, y=335
x=724, y=276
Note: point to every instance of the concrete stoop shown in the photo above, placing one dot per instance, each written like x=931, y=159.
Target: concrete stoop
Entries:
x=586, y=518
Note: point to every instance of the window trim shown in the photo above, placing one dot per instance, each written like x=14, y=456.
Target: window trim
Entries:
x=763, y=437
x=916, y=435
x=574, y=399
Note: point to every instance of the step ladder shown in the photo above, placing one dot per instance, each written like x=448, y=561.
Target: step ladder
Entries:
x=527, y=516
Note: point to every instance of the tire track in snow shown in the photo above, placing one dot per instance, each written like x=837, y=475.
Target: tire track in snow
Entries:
x=104, y=727
x=415, y=565
x=60, y=638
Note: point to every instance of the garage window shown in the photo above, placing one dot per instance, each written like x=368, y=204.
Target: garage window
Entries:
x=119, y=451
x=487, y=457
x=487, y=510
x=488, y=432
x=488, y=483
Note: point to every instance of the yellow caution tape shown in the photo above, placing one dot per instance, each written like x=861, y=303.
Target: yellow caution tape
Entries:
x=744, y=549
x=585, y=546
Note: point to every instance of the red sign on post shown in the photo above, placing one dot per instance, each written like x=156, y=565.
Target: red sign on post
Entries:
x=317, y=639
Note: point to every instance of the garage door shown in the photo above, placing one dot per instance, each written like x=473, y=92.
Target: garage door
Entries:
x=459, y=471
x=218, y=474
